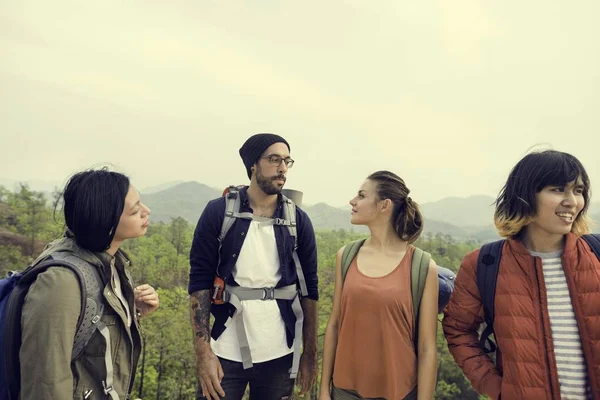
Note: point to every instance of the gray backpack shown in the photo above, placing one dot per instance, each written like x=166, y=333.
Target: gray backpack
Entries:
x=89, y=321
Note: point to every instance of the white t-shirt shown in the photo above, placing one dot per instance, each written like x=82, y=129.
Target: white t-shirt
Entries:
x=257, y=267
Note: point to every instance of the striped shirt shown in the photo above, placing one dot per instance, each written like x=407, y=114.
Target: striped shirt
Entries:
x=570, y=362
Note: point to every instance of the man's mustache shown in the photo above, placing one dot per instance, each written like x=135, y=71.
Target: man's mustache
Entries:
x=278, y=177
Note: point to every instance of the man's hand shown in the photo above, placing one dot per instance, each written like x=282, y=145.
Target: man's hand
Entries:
x=210, y=372
x=146, y=299
x=208, y=366
x=307, y=374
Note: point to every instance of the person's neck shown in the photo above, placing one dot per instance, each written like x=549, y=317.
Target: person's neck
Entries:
x=384, y=238
x=542, y=242
x=114, y=247
x=259, y=199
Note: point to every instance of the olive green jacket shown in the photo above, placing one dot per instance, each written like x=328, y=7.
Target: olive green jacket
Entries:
x=49, y=323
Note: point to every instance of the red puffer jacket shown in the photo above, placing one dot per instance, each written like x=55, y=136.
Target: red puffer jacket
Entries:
x=526, y=365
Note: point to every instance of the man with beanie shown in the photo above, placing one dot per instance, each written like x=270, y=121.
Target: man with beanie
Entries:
x=259, y=281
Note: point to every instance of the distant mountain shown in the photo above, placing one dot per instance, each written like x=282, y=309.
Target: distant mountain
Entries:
x=324, y=216
x=596, y=224
x=186, y=200
x=594, y=211
x=472, y=211
x=159, y=188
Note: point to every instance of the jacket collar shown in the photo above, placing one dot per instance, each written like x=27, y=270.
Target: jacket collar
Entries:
x=245, y=200
x=67, y=243
x=570, y=243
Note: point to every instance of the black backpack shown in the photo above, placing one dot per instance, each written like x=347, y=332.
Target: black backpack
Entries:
x=13, y=291
x=488, y=264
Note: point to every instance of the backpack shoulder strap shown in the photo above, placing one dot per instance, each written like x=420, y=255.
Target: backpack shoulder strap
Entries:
x=418, y=277
x=289, y=220
x=92, y=308
x=289, y=216
x=232, y=207
x=350, y=251
x=594, y=241
x=90, y=318
x=488, y=264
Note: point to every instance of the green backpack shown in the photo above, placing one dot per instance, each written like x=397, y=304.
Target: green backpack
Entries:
x=418, y=274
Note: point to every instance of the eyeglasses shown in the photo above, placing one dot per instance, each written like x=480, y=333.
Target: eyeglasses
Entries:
x=276, y=160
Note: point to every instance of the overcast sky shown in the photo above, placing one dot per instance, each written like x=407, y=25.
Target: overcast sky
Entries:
x=448, y=94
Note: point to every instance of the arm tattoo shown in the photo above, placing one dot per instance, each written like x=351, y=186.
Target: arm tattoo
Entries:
x=309, y=330
x=200, y=314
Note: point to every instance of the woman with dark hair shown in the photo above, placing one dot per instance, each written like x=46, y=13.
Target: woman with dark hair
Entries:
x=546, y=310
x=371, y=344
x=101, y=210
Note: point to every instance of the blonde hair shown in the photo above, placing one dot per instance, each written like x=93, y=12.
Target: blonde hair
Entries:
x=512, y=227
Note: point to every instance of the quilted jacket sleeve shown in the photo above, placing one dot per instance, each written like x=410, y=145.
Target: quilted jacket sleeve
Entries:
x=462, y=317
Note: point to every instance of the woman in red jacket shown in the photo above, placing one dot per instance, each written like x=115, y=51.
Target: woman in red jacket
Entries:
x=547, y=301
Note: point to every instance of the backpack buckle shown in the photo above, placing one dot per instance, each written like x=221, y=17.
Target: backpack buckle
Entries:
x=280, y=221
x=107, y=390
x=233, y=193
x=268, y=293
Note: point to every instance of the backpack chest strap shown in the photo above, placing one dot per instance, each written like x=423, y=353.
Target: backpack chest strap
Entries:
x=234, y=295
x=267, y=293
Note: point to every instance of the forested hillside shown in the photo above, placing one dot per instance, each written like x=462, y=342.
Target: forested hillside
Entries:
x=166, y=370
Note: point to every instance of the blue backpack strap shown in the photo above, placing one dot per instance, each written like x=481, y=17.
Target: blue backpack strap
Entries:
x=594, y=241
x=488, y=264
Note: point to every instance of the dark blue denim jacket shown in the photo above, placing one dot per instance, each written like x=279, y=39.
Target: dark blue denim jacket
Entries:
x=204, y=257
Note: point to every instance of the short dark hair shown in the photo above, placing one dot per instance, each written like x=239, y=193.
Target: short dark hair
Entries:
x=407, y=219
x=516, y=204
x=93, y=204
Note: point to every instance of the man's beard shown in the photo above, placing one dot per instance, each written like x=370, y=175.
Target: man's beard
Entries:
x=266, y=184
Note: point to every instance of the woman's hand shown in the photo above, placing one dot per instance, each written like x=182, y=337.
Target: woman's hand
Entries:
x=146, y=299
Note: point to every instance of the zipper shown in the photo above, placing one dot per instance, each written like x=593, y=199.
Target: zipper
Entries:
x=133, y=322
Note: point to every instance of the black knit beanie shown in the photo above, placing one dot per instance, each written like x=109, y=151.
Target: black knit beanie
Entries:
x=255, y=146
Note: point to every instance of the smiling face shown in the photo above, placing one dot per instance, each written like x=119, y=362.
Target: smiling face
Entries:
x=134, y=219
x=558, y=206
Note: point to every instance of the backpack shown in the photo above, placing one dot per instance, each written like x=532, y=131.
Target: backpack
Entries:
x=488, y=264
x=232, y=212
x=418, y=276
x=224, y=293
x=14, y=289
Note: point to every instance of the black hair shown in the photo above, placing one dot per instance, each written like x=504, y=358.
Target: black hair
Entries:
x=93, y=204
x=516, y=204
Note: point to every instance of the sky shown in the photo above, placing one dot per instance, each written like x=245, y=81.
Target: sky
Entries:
x=447, y=94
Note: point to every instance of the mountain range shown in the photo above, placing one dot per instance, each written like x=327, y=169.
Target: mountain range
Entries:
x=459, y=217
x=468, y=217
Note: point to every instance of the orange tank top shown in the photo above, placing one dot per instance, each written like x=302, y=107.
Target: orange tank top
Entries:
x=375, y=354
